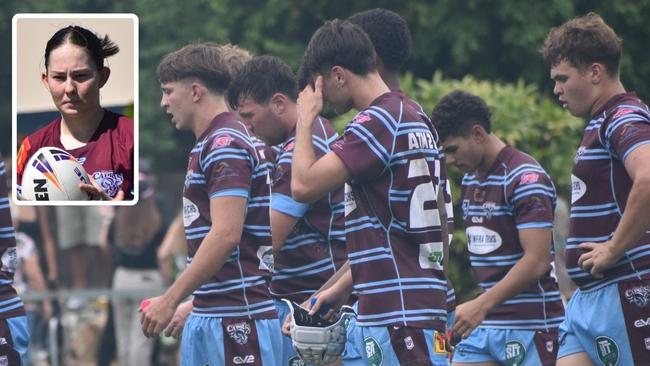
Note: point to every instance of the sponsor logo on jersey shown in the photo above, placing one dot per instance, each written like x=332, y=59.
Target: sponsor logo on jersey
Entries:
x=239, y=332
x=578, y=188
x=421, y=140
x=465, y=209
x=621, y=112
x=9, y=260
x=639, y=296
x=289, y=146
x=222, y=141
x=481, y=240
x=607, y=350
x=647, y=343
x=488, y=208
x=581, y=150
x=374, y=354
x=265, y=255
x=529, y=178
x=515, y=353
x=109, y=181
x=362, y=117
x=408, y=341
x=431, y=256
x=190, y=212
x=239, y=360
x=4, y=361
x=549, y=346
x=439, y=344
x=640, y=323
x=348, y=199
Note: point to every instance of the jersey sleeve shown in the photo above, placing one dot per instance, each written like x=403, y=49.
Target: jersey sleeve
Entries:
x=24, y=153
x=365, y=147
x=227, y=163
x=281, y=199
x=531, y=194
x=627, y=129
x=7, y=233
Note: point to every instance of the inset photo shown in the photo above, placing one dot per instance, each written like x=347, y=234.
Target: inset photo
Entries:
x=75, y=108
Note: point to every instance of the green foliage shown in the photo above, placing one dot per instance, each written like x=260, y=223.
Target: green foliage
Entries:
x=522, y=117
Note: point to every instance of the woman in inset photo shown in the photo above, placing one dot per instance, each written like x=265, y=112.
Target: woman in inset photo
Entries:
x=101, y=140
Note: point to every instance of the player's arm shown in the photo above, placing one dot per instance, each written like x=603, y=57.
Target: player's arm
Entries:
x=281, y=226
x=227, y=213
x=634, y=223
x=536, y=243
x=311, y=178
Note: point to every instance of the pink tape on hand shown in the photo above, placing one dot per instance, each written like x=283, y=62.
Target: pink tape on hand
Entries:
x=144, y=304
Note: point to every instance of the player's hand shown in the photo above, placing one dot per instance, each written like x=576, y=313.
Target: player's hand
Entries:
x=156, y=316
x=310, y=102
x=286, y=325
x=96, y=192
x=175, y=327
x=469, y=316
x=598, y=258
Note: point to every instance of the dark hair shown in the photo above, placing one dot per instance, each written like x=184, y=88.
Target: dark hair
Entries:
x=212, y=63
x=389, y=34
x=260, y=78
x=457, y=112
x=97, y=48
x=582, y=41
x=338, y=43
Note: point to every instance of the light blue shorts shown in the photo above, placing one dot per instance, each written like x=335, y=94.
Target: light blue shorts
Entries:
x=15, y=349
x=209, y=341
x=508, y=347
x=611, y=324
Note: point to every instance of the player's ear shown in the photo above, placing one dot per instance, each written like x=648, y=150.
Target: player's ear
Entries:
x=104, y=73
x=478, y=133
x=197, y=92
x=44, y=80
x=278, y=103
x=596, y=71
x=338, y=75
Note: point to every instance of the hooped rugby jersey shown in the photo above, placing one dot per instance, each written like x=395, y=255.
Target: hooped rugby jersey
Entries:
x=10, y=303
x=600, y=187
x=315, y=249
x=444, y=184
x=515, y=194
x=226, y=161
x=392, y=223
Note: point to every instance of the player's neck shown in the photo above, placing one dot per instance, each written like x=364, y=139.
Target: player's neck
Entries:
x=80, y=128
x=609, y=90
x=391, y=79
x=291, y=119
x=493, y=147
x=207, y=110
x=365, y=89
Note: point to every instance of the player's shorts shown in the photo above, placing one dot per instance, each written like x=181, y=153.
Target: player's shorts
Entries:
x=397, y=346
x=14, y=340
x=611, y=324
x=451, y=316
x=78, y=225
x=508, y=347
x=209, y=341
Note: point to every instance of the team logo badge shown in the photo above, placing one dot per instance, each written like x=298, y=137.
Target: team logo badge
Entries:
x=549, y=346
x=362, y=117
x=265, y=255
x=239, y=332
x=607, y=351
x=222, y=141
x=515, y=353
x=479, y=195
x=408, y=341
x=529, y=178
x=639, y=296
x=373, y=352
x=296, y=361
x=9, y=260
x=109, y=181
x=647, y=343
x=488, y=208
x=465, y=208
x=4, y=361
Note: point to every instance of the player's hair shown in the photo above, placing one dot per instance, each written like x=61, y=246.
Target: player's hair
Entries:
x=234, y=57
x=389, y=34
x=211, y=63
x=97, y=48
x=260, y=78
x=338, y=43
x=583, y=41
x=457, y=112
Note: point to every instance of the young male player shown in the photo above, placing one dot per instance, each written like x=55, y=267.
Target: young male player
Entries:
x=507, y=202
x=608, y=249
x=390, y=166
x=225, y=214
x=13, y=321
x=308, y=239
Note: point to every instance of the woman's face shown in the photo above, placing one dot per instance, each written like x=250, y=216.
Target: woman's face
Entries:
x=73, y=81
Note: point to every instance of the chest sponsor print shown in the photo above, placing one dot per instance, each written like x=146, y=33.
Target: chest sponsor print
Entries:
x=190, y=212
x=481, y=240
x=578, y=188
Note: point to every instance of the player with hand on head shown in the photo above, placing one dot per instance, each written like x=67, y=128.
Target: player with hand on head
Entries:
x=507, y=202
x=226, y=219
x=101, y=140
x=308, y=239
x=608, y=249
x=390, y=166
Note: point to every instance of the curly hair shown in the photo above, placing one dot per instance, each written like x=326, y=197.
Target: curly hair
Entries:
x=583, y=41
x=389, y=34
x=457, y=112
